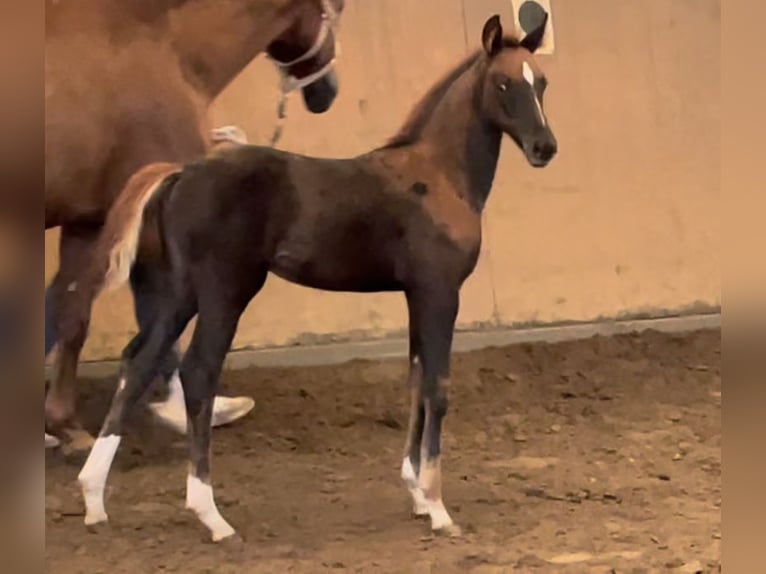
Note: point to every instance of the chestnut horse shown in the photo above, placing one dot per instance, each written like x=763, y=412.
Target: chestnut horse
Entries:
x=405, y=217
x=129, y=83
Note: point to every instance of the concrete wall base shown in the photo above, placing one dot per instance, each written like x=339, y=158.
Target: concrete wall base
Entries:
x=334, y=353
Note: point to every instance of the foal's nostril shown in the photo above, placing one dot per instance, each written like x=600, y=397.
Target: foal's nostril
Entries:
x=544, y=150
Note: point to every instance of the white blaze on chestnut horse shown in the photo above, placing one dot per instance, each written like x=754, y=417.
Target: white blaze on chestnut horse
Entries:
x=129, y=83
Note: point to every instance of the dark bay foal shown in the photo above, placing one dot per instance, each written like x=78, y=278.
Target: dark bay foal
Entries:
x=404, y=217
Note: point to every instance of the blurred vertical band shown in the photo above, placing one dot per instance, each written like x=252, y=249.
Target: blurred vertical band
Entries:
x=22, y=178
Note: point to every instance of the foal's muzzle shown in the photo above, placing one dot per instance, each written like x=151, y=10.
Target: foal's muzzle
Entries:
x=541, y=149
x=320, y=94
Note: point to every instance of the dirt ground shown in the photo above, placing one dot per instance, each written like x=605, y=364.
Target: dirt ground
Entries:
x=602, y=455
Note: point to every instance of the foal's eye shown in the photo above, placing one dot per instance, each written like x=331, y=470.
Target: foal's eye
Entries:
x=503, y=83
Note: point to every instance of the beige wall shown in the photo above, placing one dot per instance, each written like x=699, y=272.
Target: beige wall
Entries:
x=625, y=220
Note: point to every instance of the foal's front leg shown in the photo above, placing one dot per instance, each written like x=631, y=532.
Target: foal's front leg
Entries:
x=200, y=370
x=220, y=305
x=434, y=313
x=411, y=460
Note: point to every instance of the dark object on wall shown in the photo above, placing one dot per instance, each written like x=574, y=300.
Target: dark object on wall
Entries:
x=531, y=15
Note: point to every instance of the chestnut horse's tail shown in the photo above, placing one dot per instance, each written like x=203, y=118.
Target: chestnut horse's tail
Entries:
x=120, y=237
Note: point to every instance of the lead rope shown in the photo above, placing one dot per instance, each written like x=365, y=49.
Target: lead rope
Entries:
x=281, y=116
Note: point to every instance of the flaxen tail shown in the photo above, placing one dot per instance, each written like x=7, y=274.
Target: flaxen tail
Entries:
x=119, y=239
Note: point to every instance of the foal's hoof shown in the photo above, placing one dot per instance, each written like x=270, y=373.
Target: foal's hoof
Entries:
x=231, y=542
x=449, y=531
x=96, y=522
x=420, y=511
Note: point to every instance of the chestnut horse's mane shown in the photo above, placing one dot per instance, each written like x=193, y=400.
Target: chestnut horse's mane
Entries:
x=418, y=118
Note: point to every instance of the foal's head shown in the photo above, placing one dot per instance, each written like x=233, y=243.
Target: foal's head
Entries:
x=512, y=95
x=306, y=53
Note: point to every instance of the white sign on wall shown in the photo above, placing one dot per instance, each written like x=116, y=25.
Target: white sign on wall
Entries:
x=528, y=14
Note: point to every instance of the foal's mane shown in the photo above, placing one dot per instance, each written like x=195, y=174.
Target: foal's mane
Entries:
x=413, y=127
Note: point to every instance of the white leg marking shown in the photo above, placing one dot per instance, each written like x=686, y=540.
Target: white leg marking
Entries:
x=172, y=410
x=176, y=390
x=199, y=498
x=420, y=504
x=529, y=76
x=51, y=441
x=440, y=518
x=93, y=475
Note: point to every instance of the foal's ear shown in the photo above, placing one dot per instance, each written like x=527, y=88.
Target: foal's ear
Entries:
x=492, y=35
x=534, y=39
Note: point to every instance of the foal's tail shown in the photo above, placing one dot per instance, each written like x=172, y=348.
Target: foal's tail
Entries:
x=120, y=237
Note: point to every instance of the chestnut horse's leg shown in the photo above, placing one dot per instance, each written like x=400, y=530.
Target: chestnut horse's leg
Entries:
x=434, y=310
x=51, y=335
x=50, y=341
x=76, y=245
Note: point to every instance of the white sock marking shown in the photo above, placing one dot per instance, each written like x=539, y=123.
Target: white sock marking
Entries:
x=529, y=76
x=173, y=409
x=411, y=480
x=93, y=476
x=199, y=498
x=176, y=391
x=440, y=518
x=51, y=441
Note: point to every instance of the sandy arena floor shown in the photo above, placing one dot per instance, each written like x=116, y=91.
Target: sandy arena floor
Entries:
x=601, y=455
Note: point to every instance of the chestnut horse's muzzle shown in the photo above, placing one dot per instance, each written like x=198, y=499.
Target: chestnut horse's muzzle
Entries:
x=319, y=95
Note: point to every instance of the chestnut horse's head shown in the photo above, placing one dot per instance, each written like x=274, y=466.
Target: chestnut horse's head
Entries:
x=305, y=53
x=513, y=90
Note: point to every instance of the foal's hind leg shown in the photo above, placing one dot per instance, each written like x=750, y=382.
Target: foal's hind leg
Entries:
x=147, y=294
x=433, y=310
x=141, y=363
x=217, y=321
x=147, y=287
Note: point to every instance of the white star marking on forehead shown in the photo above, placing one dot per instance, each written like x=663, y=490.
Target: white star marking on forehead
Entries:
x=529, y=76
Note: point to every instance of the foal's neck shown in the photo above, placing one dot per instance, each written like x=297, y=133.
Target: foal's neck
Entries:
x=216, y=39
x=466, y=145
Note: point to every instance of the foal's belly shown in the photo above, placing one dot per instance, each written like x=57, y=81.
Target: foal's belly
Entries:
x=353, y=266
